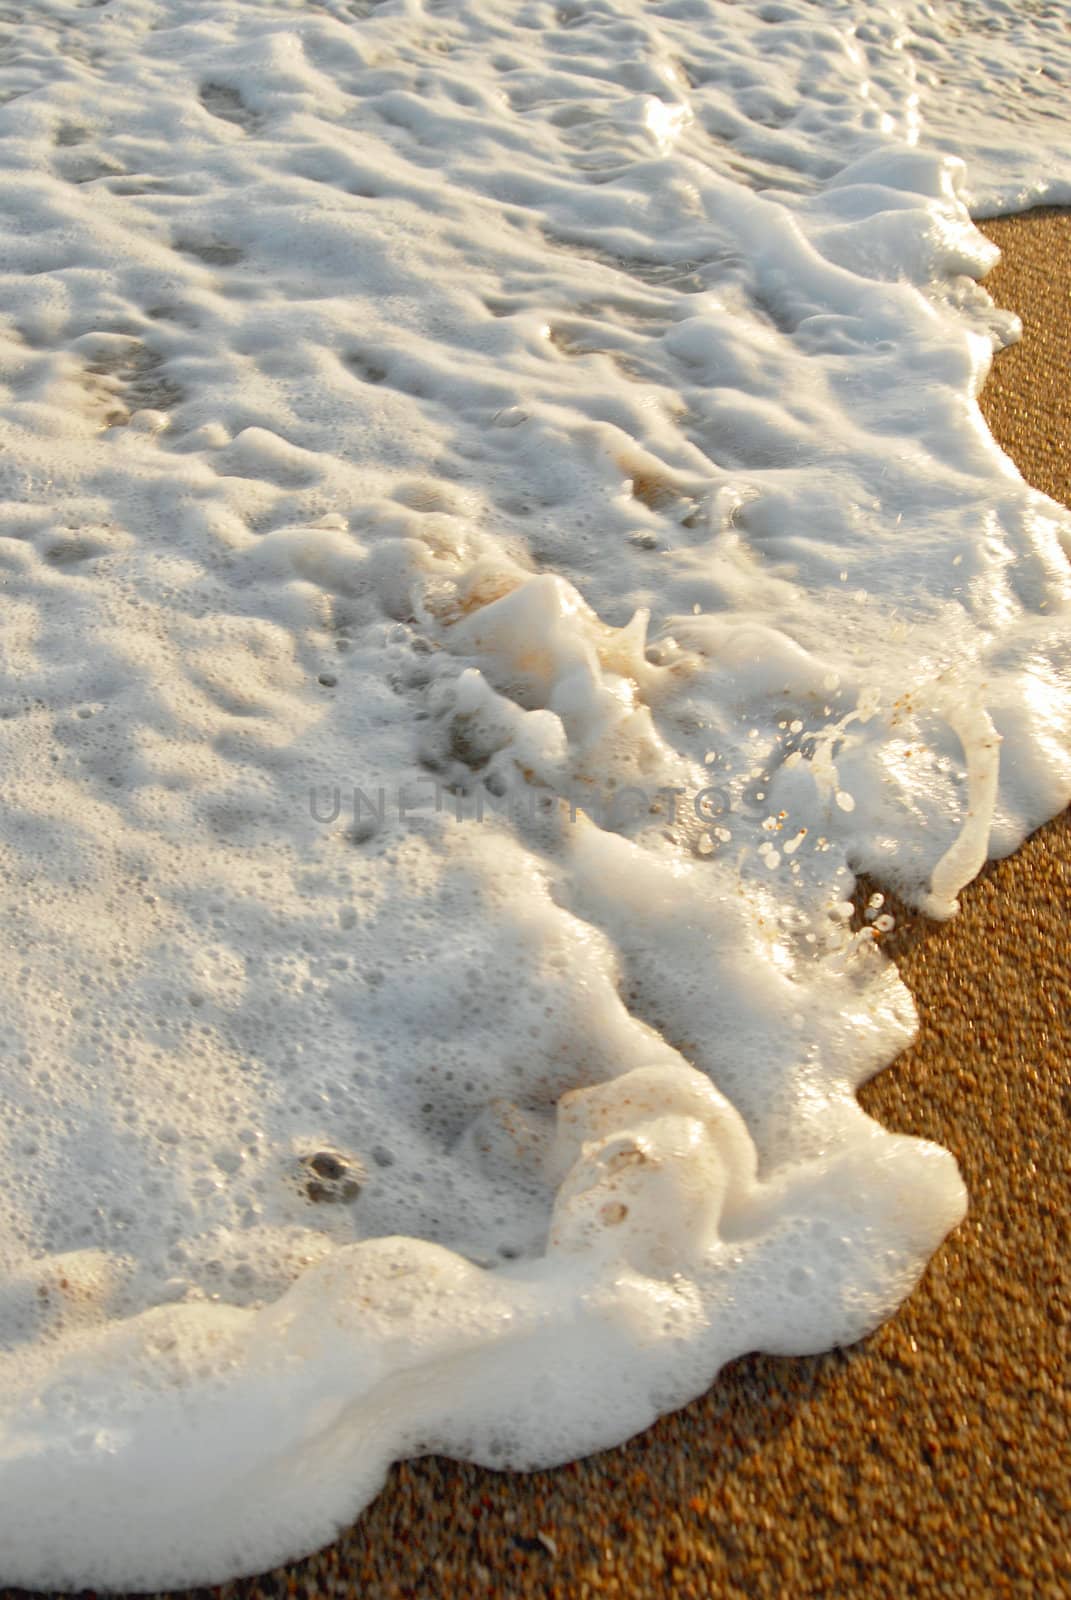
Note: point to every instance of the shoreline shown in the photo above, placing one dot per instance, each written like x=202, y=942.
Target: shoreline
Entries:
x=932, y=1456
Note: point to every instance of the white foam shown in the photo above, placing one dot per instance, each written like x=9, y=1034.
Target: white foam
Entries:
x=497, y=532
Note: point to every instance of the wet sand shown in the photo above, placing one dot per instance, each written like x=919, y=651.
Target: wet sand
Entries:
x=932, y=1459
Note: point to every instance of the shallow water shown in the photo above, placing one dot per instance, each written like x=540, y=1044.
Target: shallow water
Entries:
x=498, y=533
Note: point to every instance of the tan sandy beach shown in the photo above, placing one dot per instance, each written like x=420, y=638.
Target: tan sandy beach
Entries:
x=932, y=1459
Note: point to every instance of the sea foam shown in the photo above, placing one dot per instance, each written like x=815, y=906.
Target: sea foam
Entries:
x=497, y=535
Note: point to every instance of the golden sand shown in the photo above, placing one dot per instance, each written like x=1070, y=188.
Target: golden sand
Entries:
x=932, y=1458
